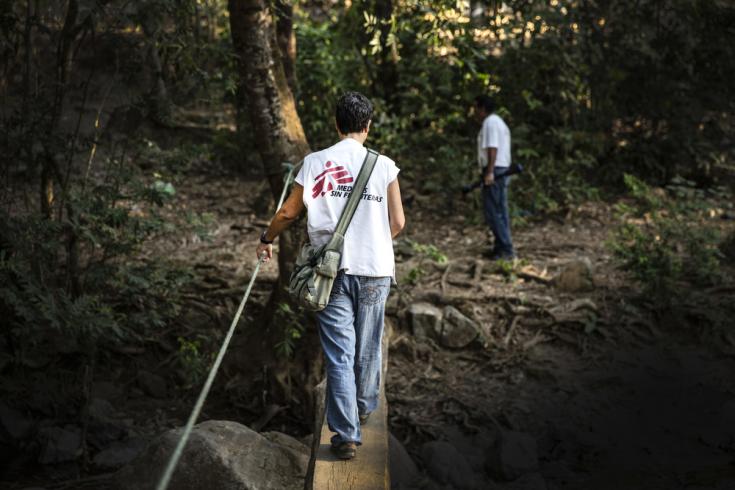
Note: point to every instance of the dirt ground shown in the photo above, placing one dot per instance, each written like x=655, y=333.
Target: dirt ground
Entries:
x=613, y=395
x=634, y=400
x=616, y=398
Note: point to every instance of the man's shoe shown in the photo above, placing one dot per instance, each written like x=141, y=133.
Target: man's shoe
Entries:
x=344, y=450
x=364, y=418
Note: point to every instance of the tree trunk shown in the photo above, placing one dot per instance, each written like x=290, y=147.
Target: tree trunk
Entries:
x=271, y=104
x=281, y=138
x=158, y=95
x=64, y=58
x=286, y=40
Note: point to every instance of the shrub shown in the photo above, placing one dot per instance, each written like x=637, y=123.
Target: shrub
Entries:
x=665, y=241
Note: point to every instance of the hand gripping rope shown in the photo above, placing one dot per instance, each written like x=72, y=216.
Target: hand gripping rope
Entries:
x=171, y=466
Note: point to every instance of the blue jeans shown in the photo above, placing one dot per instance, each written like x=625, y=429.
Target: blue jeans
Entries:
x=351, y=329
x=495, y=206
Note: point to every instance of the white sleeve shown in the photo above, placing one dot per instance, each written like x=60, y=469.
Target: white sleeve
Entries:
x=490, y=134
x=392, y=170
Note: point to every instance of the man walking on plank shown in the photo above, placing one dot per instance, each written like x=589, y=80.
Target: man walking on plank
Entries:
x=351, y=325
x=493, y=158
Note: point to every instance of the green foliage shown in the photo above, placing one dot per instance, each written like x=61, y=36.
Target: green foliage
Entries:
x=73, y=278
x=424, y=252
x=196, y=55
x=177, y=160
x=664, y=241
x=293, y=329
x=414, y=275
x=326, y=67
x=201, y=224
x=193, y=361
x=430, y=251
x=77, y=278
x=590, y=91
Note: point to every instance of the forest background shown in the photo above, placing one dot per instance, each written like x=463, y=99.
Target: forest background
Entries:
x=109, y=106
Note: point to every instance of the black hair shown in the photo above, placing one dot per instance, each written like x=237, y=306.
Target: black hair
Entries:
x=353, y=112
x=486, y=102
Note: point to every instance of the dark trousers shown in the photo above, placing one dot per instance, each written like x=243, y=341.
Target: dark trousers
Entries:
x=495, y=205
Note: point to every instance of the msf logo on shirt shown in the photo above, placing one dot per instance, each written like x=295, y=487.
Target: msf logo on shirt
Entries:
x=326, y=181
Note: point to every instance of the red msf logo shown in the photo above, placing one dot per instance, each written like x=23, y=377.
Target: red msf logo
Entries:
x=325, y=181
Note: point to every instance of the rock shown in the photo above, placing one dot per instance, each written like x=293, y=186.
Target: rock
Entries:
x=457, y=330
x=307, y=440
x=582, y=310
x=228, y=453
x=104, y=429
x=119, y=454
x=100, y=434
x=403, y=248
x=14, y=426
x=575, y=276
x=425, y=320
x=403, y=471
x=392, y=305
x=59, y=445
x=286, y=442
x=514, y=454
x=152, y=384
x=446, y=465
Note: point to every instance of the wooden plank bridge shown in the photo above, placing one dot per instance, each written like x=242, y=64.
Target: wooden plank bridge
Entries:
x=369, y=470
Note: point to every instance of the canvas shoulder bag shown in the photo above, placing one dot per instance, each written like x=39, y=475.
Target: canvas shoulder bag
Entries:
x=310, y=284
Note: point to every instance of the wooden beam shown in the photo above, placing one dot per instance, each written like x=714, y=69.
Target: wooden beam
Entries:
x=369, y=470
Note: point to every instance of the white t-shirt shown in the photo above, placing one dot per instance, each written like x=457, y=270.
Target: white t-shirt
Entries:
x=493, y=134
x=327, y=177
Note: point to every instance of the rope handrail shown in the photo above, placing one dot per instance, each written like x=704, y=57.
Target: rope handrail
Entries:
x=179, y=450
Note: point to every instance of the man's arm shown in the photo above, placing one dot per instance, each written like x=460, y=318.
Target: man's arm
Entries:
x=289, y=212
x=395, y=209
x=489, y=176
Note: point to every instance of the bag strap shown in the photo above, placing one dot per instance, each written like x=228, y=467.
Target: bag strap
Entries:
x=335, y=243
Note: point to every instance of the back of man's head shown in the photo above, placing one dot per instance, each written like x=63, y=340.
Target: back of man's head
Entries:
x=353, y=112
x=485, y=102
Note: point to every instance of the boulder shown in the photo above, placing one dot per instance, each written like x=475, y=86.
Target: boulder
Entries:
x=228, y=453
x=447, y=466
x=514, y=454
x=118, y=454
x=575, y=276
x=403, y=471
x=457, y=330
x=425, y=320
